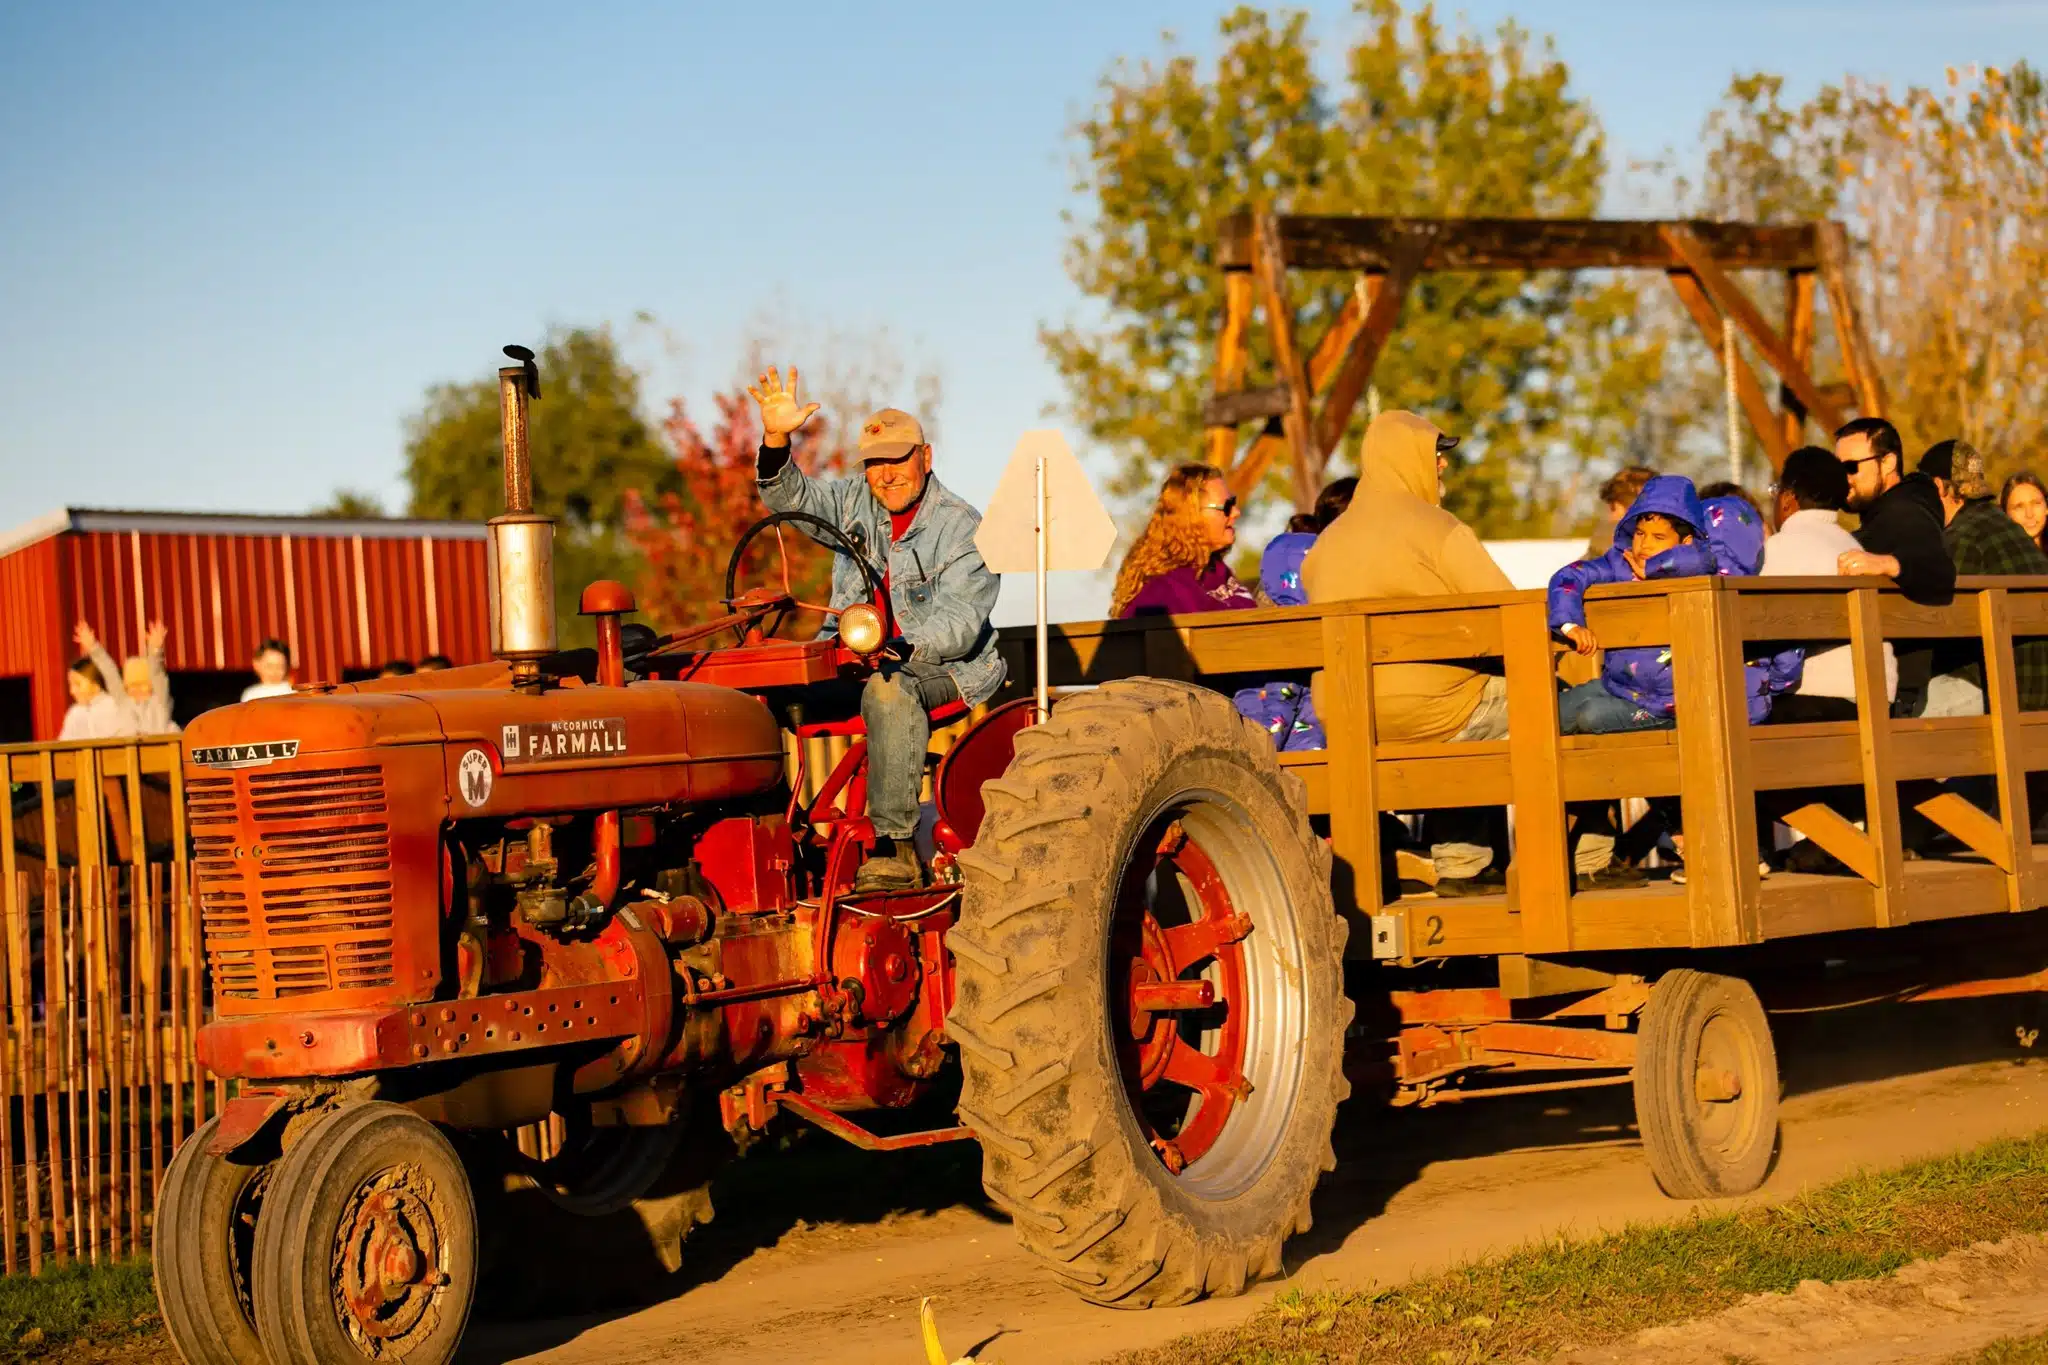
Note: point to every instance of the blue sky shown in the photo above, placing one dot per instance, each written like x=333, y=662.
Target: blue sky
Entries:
x=238, y=241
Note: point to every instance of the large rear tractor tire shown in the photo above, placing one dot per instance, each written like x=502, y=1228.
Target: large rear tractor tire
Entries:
x=1150, y=1008
x=1706, y=1084
x=205, y=1240
x=367, y=1248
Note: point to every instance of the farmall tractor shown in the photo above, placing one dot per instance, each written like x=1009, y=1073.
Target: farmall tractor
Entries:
x=581, y=888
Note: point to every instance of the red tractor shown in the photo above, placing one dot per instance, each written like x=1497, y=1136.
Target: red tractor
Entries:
x=585, y=888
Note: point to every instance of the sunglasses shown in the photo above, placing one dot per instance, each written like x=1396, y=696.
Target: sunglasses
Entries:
x=1226, y=507
x=1850, y=465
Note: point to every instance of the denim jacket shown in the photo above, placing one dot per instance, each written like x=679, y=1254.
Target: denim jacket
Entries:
x=939, y=590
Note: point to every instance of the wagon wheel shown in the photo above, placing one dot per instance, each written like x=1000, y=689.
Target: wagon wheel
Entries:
x=368, y=1247
x=1706, y=1085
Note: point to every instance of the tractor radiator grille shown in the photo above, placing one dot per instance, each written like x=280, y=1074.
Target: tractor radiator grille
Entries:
x=295, y=883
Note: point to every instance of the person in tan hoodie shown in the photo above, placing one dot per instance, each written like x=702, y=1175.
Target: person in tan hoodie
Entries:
x=1396, y=540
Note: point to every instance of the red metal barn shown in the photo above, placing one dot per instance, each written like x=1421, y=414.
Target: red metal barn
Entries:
x=346, y=596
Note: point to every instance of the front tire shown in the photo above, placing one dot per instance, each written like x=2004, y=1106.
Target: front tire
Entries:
x=367, y=1249
x=1150, y=1001
x=206, y=1234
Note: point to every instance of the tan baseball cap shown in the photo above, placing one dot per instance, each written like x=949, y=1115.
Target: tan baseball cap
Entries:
x=889, y=435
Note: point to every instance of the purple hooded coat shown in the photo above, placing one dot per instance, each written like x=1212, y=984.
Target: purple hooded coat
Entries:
x=1729, y=542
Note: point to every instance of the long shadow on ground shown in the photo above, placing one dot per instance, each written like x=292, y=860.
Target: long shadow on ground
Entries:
x=816, y=1180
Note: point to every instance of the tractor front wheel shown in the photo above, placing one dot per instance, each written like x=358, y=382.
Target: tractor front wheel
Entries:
x=367, y=1249
x=1150, y=1005
x=205, y=1239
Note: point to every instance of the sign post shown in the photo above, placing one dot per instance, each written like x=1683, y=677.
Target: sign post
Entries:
x=1044, y=516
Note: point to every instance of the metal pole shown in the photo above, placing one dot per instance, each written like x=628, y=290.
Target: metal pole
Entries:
x=1044, y=531
x=1728, y=385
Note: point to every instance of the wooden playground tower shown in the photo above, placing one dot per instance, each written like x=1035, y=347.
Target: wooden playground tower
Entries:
x=1306, y=412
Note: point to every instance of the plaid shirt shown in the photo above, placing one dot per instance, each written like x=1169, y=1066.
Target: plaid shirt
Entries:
x=1983, y=540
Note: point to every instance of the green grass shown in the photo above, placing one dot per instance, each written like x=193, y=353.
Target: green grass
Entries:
x=1590, y=1291
x=2009, y=1351
x=71, y=1302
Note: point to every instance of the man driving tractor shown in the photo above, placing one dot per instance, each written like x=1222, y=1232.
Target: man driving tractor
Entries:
x=919, y=536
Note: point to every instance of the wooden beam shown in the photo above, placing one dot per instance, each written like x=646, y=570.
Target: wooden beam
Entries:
x=1747, y=389
x=1270, y=269
x=1730, y=298
x=1231, y=354
x=1719, y=796
x=1246, y=472
x=1364, y=352
x=1245, y=405
x=1857, y=358
x=1317, y=242
x=1826, y=827
x=2002, y=706
x=1354, y=798
x=1542, y=884
x=1880, y=778
x=1799, y=321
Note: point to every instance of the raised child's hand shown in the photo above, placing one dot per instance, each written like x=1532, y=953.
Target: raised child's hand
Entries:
x=154, y=637
x=82, y=636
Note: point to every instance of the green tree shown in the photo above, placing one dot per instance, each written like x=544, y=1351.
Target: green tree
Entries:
x=1536, y=370
x=591, y=446
x=351, y=504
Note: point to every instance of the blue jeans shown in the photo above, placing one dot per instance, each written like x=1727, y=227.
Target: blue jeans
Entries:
x=1590, y=709
x=896, y=705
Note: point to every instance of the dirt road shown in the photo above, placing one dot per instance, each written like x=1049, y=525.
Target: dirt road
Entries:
x=823, y=1253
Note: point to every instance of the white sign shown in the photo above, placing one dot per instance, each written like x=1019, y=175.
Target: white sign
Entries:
x=1079, y=535
x=1044, y=516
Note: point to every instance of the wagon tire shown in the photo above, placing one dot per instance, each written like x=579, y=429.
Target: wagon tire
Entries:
x=367, y=1249
x=1145, y=841
x=1706, y=1085
x=205, y=1225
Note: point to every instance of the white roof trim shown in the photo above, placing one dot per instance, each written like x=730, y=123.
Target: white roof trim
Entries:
x=233, y=524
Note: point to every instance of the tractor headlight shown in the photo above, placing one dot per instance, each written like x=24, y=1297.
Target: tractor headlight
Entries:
x=860, y=628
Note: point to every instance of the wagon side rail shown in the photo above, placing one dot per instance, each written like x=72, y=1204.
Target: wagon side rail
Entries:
x=1715, y=762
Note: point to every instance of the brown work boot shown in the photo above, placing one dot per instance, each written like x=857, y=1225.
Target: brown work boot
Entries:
x=892, y=866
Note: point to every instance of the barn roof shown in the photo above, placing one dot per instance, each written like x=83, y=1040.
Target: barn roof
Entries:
x=231, y=524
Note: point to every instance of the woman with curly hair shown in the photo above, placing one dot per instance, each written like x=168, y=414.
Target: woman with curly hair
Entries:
x=2026, y=502
x=1176, y=565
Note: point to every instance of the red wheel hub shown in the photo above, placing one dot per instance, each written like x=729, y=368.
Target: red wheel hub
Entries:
x=1178, y=969
x=385, y=1255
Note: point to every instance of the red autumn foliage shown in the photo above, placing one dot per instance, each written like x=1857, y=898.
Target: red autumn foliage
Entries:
x=685, y=539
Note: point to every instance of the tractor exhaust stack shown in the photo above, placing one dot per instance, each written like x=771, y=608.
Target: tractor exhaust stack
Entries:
x=522, y=542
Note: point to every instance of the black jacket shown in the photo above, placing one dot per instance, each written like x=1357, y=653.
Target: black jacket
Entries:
x=1906, y=523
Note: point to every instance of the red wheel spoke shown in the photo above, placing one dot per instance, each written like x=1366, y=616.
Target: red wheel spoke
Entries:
x=1214, y=1078
x=1205, y=938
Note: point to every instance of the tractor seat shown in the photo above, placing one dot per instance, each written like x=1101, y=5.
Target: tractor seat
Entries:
x=854, y=725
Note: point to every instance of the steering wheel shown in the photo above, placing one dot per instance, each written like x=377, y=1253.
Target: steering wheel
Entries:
x=817, y=528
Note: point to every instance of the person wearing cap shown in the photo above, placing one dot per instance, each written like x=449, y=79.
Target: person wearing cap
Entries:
x=919, y=537
x=1981, y=540
x=1396, y=540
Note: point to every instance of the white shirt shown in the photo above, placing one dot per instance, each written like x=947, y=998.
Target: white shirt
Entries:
x=1808, y=546
x=104, y=717
x=263, y=689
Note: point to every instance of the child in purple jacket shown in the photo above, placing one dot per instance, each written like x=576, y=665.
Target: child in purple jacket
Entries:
x=1667, y=533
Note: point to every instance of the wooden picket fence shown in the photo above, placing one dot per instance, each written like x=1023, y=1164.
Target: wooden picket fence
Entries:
x=103, y=991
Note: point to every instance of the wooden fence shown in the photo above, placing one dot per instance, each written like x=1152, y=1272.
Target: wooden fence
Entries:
x=102, y=990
